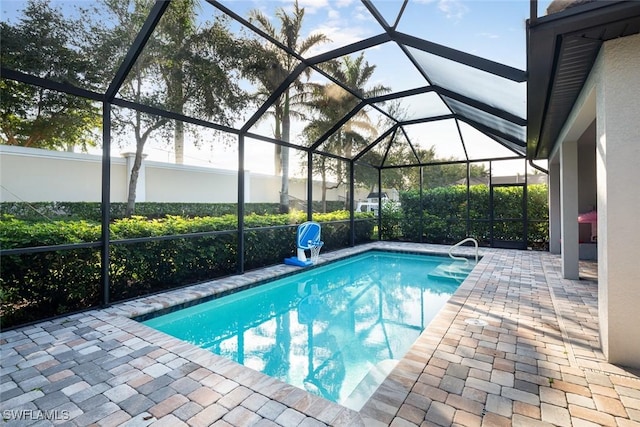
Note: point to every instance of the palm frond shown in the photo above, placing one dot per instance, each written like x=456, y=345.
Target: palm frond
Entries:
x=312, y=41
x=263, y=22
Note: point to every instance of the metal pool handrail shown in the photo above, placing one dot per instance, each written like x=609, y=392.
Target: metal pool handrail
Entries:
x=468, y=239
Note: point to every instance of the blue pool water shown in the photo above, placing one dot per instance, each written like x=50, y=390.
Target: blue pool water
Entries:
x=335, y=330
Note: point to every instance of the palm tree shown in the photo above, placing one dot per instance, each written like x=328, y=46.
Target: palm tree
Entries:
x=196, y=62
x=281, y=66
x=332, y=102
x=183, y=68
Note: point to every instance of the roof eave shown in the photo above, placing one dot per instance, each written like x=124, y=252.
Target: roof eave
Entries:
x=560, y=40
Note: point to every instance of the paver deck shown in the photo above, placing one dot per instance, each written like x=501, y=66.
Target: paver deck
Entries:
x=516, y=345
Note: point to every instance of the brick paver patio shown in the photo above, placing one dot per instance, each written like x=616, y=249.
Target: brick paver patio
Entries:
x=516, y=345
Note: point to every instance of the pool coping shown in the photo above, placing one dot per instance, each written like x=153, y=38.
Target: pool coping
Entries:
x=430, y=256
x=219, y=293
x=140, y=308
x=396, y=387
x=536, y=361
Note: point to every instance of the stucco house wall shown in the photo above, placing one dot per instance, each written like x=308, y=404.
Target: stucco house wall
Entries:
x=617, y=82
x=611, y=98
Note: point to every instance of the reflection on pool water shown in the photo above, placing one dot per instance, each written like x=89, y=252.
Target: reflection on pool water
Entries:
x=335, y=330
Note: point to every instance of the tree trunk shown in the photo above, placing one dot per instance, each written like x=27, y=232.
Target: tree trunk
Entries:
x=277, y=134
x=286, y=131
x=141, y=139
x=284, y=188
x=348, y=146
x=277, y=158
x=176, y=94
x=324, y=187
x=178, y=139
x=133, y=181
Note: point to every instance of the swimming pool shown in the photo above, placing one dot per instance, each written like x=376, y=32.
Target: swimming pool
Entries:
x=335, y=330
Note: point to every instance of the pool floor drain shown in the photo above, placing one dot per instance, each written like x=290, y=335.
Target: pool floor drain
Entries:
x=476, y=322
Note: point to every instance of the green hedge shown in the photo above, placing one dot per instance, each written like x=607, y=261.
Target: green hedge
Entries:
x=90, y=211
x=443, y=212
x=40, y=285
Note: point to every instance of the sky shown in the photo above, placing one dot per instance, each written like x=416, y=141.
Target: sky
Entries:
x=490, y=29
x=493, y=30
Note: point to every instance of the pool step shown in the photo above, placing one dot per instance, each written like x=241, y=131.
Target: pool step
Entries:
x=365, y=389
x=457, y=271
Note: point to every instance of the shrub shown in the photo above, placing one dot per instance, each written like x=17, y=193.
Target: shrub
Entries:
x=441, y=215
x=90, y=211
x=390, y=220
x=48, y=283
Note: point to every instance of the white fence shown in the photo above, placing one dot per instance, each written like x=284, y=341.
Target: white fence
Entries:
x=35, y=175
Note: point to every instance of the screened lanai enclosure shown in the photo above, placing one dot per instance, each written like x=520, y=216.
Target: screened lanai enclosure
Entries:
x=150, y=145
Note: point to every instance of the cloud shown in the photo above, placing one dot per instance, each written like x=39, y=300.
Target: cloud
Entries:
x=339, y=35
x=453, y=9
x=312, y=6
x=333, y=15
x=488, y=35
x=361, y=13
x=346, y=22
x=309, y=6
x=343, y=3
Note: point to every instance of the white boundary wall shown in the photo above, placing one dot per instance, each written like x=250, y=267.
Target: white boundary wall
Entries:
x=36, y=175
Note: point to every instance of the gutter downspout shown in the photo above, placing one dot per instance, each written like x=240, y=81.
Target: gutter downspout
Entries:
x=541, y=169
